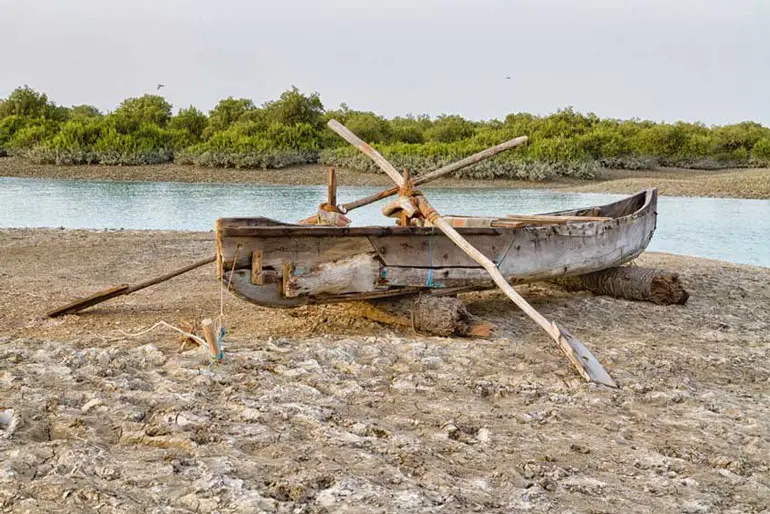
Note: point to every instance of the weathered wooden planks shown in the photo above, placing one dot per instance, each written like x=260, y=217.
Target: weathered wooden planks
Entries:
x=358, y=273
x=437, y=251
x=305, y=253
x=396, y=276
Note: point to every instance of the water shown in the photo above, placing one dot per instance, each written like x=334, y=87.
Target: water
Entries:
x=719, y=228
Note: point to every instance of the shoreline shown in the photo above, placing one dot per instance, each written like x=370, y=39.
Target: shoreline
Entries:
x=731, y=183
x=317, y=408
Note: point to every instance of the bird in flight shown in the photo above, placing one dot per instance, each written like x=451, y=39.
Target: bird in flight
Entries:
x=507, y=78
x=160, y=86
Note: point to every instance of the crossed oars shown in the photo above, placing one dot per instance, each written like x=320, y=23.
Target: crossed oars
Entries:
x=580, y=357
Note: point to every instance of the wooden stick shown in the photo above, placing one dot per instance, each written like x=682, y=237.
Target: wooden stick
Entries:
x=211, y=338
x=373, y=154
x=580, y=357
x=440, y=172
x=88, y=301
x=113, y=292
x=331, y=194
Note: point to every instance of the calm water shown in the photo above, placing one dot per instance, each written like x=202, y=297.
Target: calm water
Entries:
x=722, y=228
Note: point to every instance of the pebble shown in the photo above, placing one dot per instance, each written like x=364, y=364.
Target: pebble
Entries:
x=484, y=435
x=431, y=362
x=9, y=420
x=95, y=402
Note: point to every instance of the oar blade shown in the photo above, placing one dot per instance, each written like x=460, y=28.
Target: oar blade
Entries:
x=583, y=359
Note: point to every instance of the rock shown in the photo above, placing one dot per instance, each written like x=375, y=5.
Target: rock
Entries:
x=431, y=362
x=484, y=435
x=9, y=421
x=95, y=402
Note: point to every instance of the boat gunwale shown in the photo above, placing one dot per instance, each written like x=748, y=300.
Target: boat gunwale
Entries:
x=275, y=228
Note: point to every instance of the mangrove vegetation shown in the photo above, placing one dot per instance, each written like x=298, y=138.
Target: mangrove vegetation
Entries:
x=291, y=131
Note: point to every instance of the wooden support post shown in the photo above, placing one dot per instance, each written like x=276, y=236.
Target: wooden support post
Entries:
x=438, y=315
x=287, y=270
x=256, y=268
x=331, y=195
x=405, y=190
x=211, y=338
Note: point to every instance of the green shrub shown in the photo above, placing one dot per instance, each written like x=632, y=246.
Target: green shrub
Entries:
x=190, y=120
x=293, y=107
x=369, y=127
x=9, y=126
x=145, y=109
x=448, y=129
x=290, y=130
x=84, y=112
x=760, y=153
x=26, y=103
x=227, y=112
x=32, y=133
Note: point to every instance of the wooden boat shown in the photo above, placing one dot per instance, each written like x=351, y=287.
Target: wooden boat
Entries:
x=277, y=264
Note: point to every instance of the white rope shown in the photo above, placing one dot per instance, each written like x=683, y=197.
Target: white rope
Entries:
x=221, y=320
x=164, y=324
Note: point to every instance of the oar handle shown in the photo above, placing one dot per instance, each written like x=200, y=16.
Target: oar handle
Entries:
x=373, y=154
x=121, y=290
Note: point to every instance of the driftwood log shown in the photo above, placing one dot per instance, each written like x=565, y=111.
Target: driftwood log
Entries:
x=437, y=315
x=631, y=283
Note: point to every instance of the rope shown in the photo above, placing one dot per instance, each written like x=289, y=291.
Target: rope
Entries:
x=221, y=330
x=164, y=324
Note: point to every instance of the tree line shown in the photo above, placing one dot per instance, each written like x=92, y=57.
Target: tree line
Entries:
x=291, y=131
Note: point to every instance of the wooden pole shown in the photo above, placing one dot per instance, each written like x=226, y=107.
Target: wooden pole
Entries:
x=211, y=338
x=113, y=292
x=331, y=194
x=443, y=171
x=373, y=154
x=580, y=357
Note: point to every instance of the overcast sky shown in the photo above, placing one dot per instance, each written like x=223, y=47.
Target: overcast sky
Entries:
x=706, y=60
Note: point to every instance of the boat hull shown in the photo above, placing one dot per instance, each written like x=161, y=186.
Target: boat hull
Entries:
x=280, y=265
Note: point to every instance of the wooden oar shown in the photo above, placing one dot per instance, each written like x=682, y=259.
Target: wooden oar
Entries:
x=433, y=175
x=122, y=290
x=370, y=152
x=580, y=357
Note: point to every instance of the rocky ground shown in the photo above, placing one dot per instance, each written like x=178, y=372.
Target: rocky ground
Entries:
x=314, y=410
x=740, y=183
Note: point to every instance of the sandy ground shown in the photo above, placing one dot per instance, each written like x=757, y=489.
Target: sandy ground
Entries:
x=316, y=411
x=739, y=183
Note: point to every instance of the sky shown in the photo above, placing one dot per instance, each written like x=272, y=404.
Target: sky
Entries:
x=664, y=60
